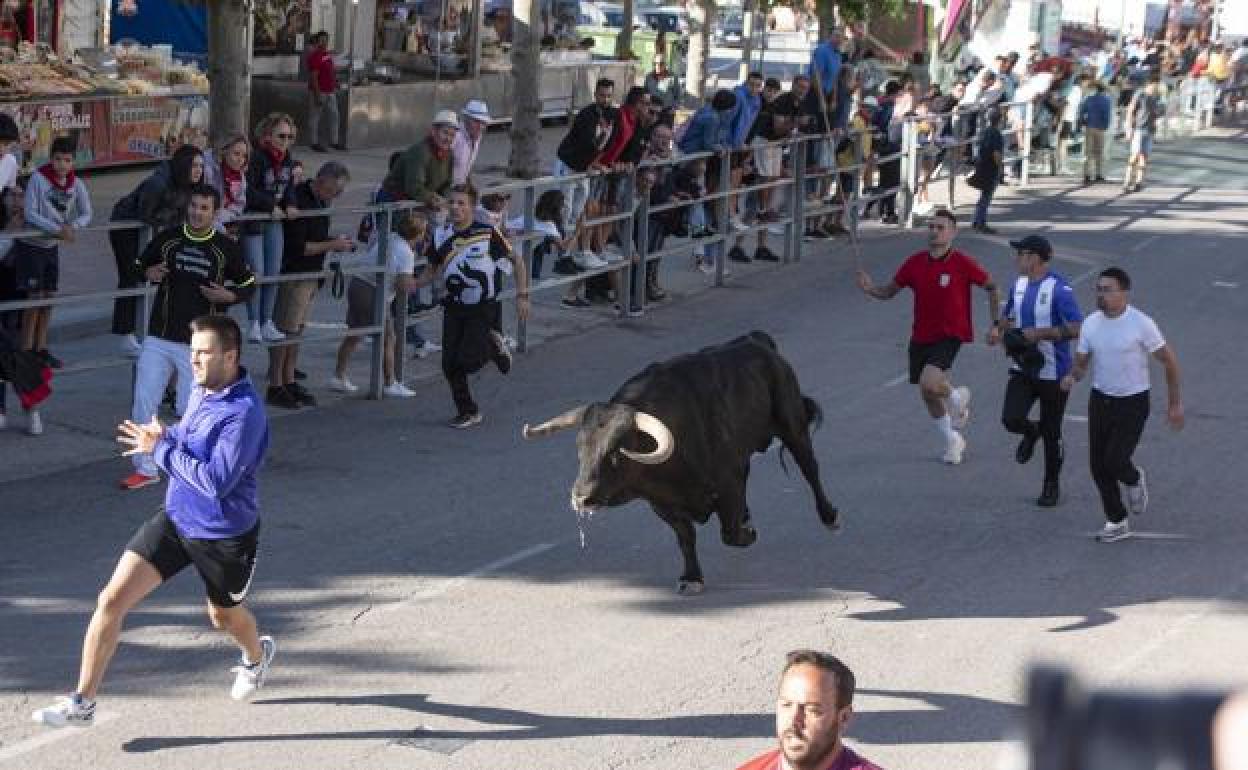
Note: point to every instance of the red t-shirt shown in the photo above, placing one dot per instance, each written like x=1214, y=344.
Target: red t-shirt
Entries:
x=942, y=294
x=321, y=67
x=847, y=759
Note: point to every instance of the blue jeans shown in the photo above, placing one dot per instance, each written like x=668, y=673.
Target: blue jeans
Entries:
x=159, y=359
x=981, y=206
x=264, y=255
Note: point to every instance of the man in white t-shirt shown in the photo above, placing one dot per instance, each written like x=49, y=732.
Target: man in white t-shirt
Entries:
x=1116, y=341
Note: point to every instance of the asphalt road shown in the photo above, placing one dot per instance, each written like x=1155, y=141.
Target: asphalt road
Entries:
x=434, y=607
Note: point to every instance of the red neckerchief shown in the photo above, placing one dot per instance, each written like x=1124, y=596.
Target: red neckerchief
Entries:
x=438, y=152
x=230, y=177
x=276, y=157
x=66, y=186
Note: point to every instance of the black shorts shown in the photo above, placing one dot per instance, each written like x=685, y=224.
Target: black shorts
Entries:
x=939, y=354
x=37, y=268
x=226, y=566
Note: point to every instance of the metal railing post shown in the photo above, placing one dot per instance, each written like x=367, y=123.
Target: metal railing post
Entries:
x=953, y=156
x=143, y=307
x=797, y=203
x=376, y=372
x=909, y=171
x=860, y=175
x=530, y=206
x=1025, y=150
x=624, y=234
x=639, y=267
x=721, y=205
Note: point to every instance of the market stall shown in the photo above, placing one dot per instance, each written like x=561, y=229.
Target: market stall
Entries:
x=125, y=103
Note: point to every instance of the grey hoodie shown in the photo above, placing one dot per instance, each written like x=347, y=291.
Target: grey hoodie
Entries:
x=50, y=206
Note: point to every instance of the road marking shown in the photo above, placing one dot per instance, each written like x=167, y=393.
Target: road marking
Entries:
x=1226, y=285
x=1076, y=418
x=896, y=381
x=1144, y=244
x=52, y=736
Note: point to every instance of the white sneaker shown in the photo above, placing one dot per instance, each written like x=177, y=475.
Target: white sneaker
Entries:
x=1112, y=533
x=1137, y=496
x=251, y=677
x=4, y=419
x=272, y=333
x=398, y=390
x=954, y=450
x=254, y=332
x=738, y=225
x=71, y=711
x=130, y=346
x=588, y=260
x=342, y=385
x=960, y=406
x=34, y=423
x=424, y=350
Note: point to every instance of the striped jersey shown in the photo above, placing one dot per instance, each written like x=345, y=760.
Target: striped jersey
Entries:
x=1043, y=304
x=473, y=261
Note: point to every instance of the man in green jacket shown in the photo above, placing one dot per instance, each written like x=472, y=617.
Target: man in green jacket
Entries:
x=423, y=172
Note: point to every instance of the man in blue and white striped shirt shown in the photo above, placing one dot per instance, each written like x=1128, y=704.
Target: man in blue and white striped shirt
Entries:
x=1042, y=308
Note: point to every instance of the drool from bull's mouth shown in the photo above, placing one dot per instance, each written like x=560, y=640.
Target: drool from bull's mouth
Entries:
x=583, y=515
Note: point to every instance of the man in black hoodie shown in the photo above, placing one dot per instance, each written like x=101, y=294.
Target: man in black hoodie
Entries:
x=578, y=153
x=192, y=262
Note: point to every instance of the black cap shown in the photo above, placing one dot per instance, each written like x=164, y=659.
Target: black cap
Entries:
x=1034, y=243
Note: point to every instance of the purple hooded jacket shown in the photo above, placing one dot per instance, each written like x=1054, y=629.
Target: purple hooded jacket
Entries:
x=212, y=456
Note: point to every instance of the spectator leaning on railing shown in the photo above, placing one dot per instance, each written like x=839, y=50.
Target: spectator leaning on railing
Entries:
x=191, y=262
x=160, y=202
x=58, y=204
x=476, y=117
x=306, y=241
x=424, y=171
x=270, y=183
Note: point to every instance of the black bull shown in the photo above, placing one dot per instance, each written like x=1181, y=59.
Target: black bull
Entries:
x=680, y=435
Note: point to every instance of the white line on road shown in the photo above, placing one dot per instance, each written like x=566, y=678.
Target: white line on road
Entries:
x=1076, y=418
x=1144, y=244
x=446, y=587
x=1226, y=285
x=896, y=381
x=52, y=735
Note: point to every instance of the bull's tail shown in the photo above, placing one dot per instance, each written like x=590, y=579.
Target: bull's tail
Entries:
x=814, y=416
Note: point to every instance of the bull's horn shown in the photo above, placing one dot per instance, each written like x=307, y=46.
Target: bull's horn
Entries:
x=568, y=419
x=663, y=439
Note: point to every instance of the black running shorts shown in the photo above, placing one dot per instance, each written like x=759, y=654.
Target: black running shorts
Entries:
x=225, y=566
x=939, y=354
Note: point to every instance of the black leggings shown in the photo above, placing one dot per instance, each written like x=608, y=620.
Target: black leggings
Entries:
x=1020, y=395
x=125, y=245
x=467, y=346
x=1114, y=429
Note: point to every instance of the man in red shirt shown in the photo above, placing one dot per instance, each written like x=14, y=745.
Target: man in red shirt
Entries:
x=812, y=710
x=322, y=94
x=941, y=280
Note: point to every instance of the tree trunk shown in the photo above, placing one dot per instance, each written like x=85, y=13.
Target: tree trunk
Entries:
x=526, y=124
x=229, y=69
x=701, y=18
x=624, y=41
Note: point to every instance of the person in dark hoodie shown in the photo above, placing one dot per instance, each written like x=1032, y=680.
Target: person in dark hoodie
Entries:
x=270, y=190
x=159, y=201
x=192, y=262
x=210, y=519
x=56, y=203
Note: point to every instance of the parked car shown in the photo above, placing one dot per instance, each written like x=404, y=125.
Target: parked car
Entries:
x=614, y=13
x=673, y=20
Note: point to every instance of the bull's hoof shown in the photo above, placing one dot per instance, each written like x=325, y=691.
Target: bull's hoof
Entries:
x=690, y=587
x=745, y=537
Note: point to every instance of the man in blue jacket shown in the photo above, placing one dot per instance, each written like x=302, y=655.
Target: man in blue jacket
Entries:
x=209, y=520
x=1094, y=115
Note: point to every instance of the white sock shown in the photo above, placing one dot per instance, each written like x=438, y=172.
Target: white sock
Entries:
x=945, y=426
x=952, y=404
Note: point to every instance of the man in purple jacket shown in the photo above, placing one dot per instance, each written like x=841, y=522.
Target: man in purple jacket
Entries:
x=209, y=520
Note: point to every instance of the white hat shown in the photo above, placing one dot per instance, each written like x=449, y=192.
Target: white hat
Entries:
x=446, y=118
x=477, y=110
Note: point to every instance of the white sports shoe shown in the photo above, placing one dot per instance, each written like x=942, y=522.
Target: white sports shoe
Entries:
x=1137, y=496
x=960, y=406
x=588, y=260
x=4, y=420
x=255, y=333
x=251, y=677
x=272, y=333
x=1112, y=533
x=398, y=390
x=34, y=423
x=70, y=711
x=130, y=346
x=954, y=450
x=342, y=385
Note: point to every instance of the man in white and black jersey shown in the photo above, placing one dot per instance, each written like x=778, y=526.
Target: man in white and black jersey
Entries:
x=1040, y=318
x=192, y=262
x=1116, y=342
x=471, y=262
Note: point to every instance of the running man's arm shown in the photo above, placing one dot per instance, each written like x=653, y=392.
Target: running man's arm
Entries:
x=1174, y=410
x=1077, y=372
x=994, y=300
x=238, y=448
x=878, y=292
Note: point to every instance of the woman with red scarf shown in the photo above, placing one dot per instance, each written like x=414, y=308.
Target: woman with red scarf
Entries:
x=269, y=191
x=229, y=176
